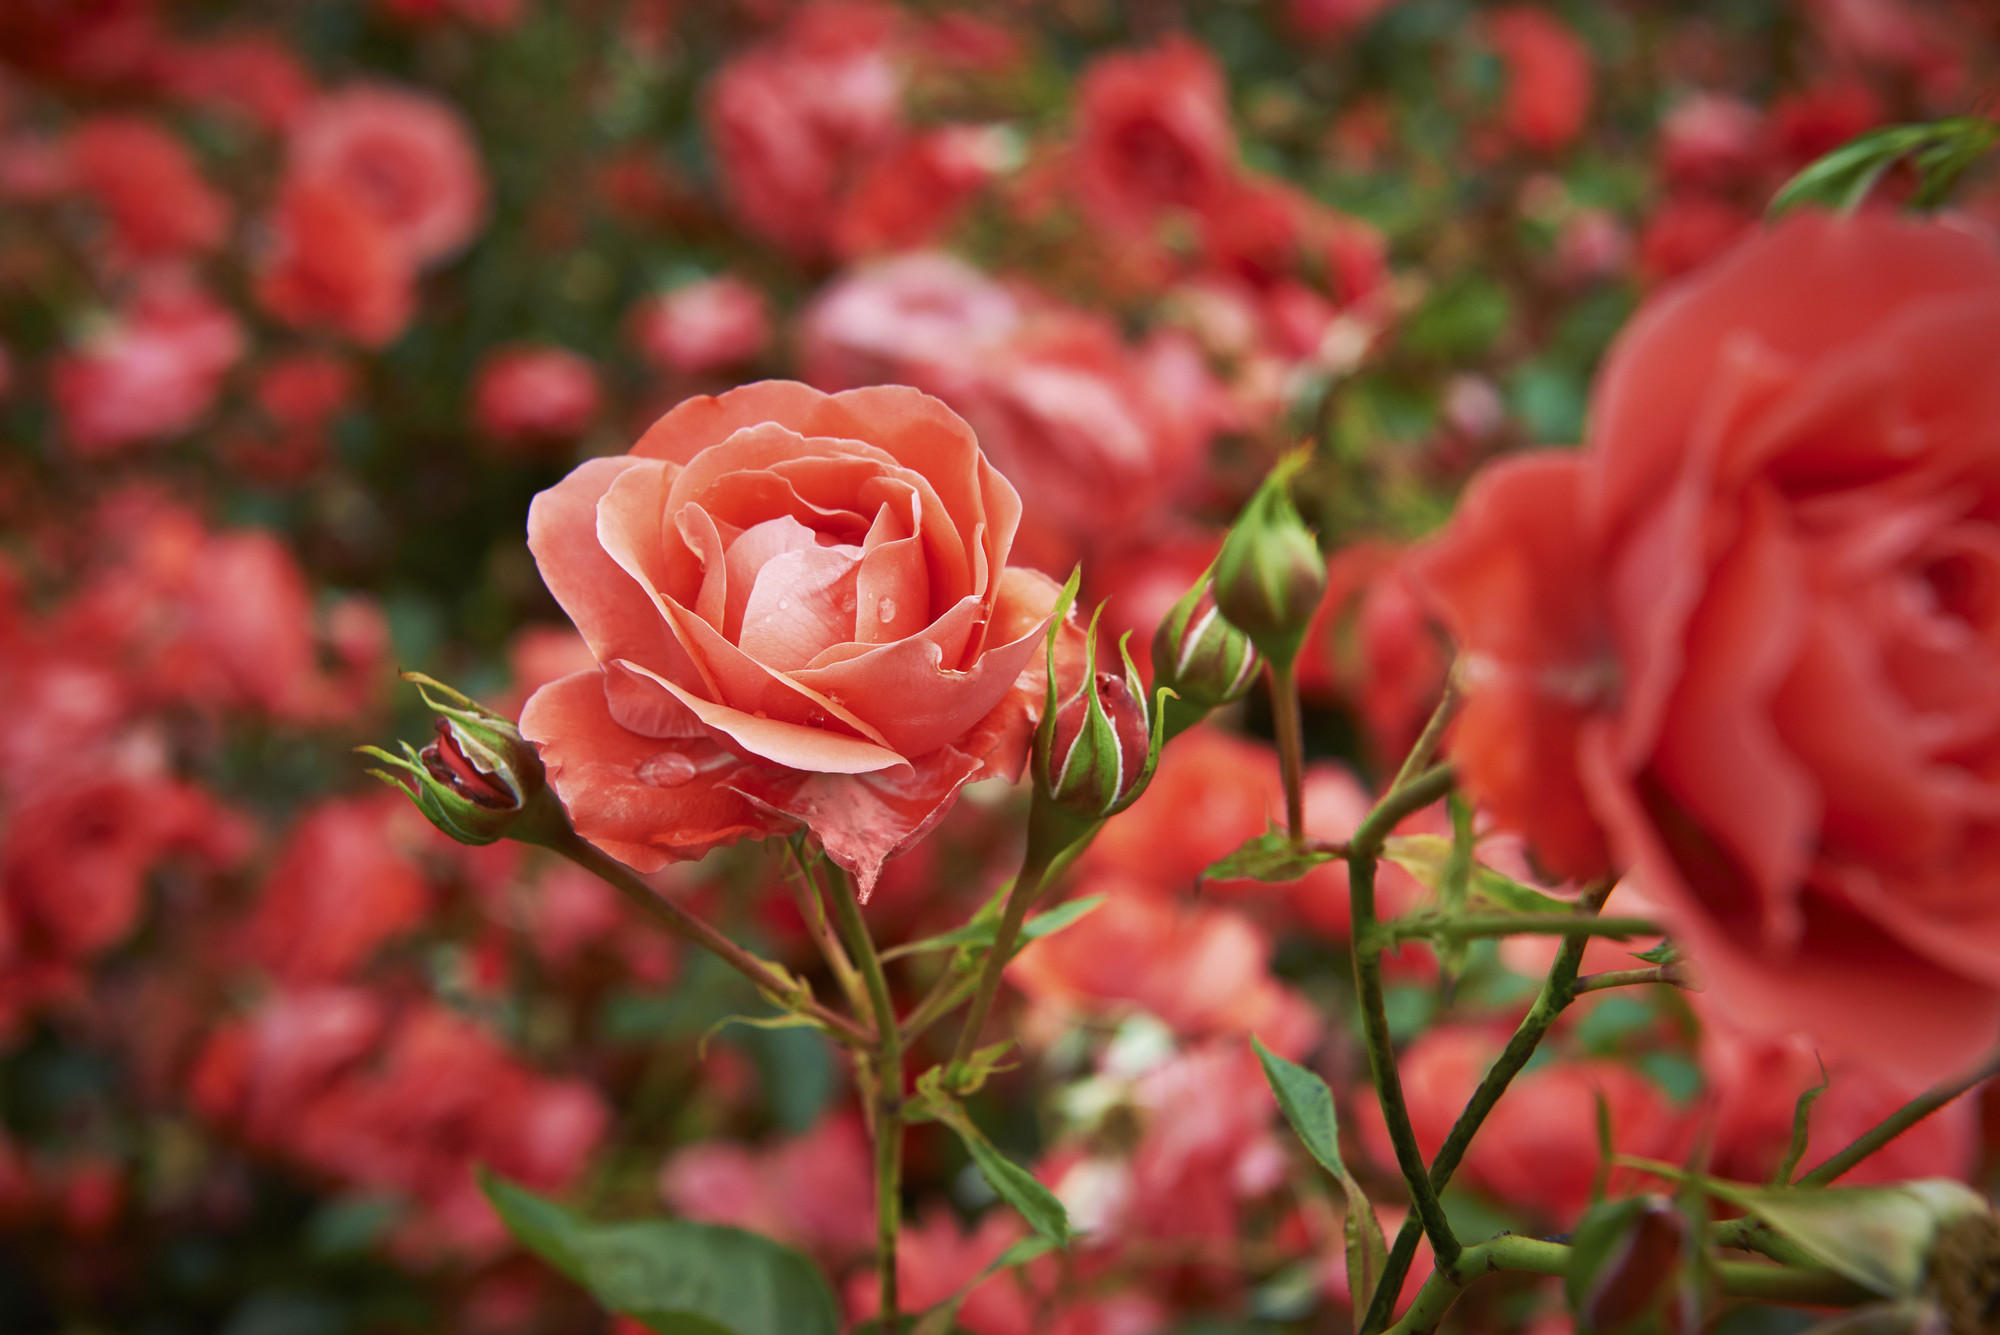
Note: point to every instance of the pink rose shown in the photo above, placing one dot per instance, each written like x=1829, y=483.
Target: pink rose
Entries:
x=802, y=615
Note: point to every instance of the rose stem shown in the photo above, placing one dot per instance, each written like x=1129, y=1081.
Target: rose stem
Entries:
x=886, y=1118
x=812, y=908
x=1363, y=847
x=1811, y=1287
x=685, y=925
x=1897, y=1122
x=1285, y=721
x=1026, y=889
x=1558, y=990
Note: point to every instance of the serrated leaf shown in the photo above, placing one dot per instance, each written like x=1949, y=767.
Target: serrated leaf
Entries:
x=1271, y=856
x=983, y=931
x=1308, y=1106
x=673, y=1276
x=1011, y=1182
x=1427, y=857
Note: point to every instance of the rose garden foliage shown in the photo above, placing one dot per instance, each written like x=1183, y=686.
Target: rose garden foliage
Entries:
x=1498, y=832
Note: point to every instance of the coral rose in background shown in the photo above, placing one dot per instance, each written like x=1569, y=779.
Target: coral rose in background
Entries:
x=802, y=615
x=404, y=157
x=534, y=393
x=1748, y=641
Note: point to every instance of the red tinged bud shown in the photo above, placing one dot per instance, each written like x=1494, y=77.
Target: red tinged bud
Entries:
x=1099, y=749
x=1270, y=574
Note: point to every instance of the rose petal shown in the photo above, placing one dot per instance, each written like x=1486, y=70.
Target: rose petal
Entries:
x=793, y=745
x=643, y=803
x=615, y=615
x=803, y=601
x=863, y=820
x=697, y=423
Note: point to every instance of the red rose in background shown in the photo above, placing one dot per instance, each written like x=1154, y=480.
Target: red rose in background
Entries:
x=802, y=615
x=147, y=183
x=152, y=374
x=1748, y=641
x=703, y=326
x=1153, y=135
x=535, y=392
x=406, y=158
x=334, y=265
x=1548, y=77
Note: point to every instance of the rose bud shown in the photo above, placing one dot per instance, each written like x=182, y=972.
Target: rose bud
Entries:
x=1270, y=575
x=480, y=781
x=1096, y=748
x=1205, y=661
x=1628, y=1265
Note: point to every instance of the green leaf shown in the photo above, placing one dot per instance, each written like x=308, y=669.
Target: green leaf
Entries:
x=1427, y=857
x=1271, y=856
x=1013, y=1183
x=982, y=931
x=1879, y=1237
x=1664, y=953
x=783, y=1020
x=1308, y=1105
x=673, y=1276
x=1942, y=150
x=1801, y=1118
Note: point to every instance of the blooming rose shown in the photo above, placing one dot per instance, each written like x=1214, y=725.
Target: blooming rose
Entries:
x=802, y=615
x=405, y=157
x=1745, y=642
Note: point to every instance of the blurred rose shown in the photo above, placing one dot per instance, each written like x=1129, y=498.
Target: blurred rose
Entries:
x=148, y=186
x=1153, y=136
x=793, y=117
x=802, y=613
x=1784, y=518
x=911, y=194
x=704, y=326
x=815, y=1190
x=1203, y=970
x=1713, y=141
x=404, y=157
x=925, y=319
x=250, y=73
x=343, y=885
x=531, y=393
x=333, y=265
x=934, y=1260
x=151, y=374
x=1548, y=77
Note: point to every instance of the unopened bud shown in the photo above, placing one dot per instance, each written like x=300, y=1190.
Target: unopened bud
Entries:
x=1270, y=575
x=1096, y=747
x=1200, y=657
x=480, y=781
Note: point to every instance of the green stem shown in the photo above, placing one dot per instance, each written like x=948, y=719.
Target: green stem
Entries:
x=1363, y=849
x=1795, y=1286
x=886, y=1117
x=784, y=991
x=1897, y=1122
x=1427, y=741
x=1473, y=926
x=812, y=908
x=1670, y=974
x=1290, y=728
x=1021, y=896
x=1558, y=990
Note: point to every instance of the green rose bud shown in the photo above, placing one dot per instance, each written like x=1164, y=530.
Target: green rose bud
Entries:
x=480, y=781
x=1269, y=575
x=1201, y=658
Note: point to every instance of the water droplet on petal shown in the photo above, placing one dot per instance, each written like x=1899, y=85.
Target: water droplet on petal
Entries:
x=885, y=609
x=784, y=604
x=666, y=769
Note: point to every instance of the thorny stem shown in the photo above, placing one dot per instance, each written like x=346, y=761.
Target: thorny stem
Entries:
x=1363, y=848
x=784, y=991
x=1290, y=728
x=1558, y=990
x=1897, y=1122
x=886, y=1116
x=1797, y=1286
x=1472, y=926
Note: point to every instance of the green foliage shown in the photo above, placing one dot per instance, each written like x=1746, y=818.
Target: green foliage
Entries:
x=674, y=1276
x=1271, y=856
x=1941, y=151
x=1013, y=1183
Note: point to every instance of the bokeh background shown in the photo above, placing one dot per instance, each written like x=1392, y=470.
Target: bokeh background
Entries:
x=301, y=303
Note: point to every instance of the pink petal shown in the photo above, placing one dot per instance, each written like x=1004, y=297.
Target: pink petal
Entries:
x=614, y=614
x=803, y=602
x=795, y=746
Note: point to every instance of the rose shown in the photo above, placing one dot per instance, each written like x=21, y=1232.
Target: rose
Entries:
x=1746, y=641
x=802, y=614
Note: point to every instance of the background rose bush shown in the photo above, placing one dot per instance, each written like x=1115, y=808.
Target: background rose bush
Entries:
x=301, y=307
